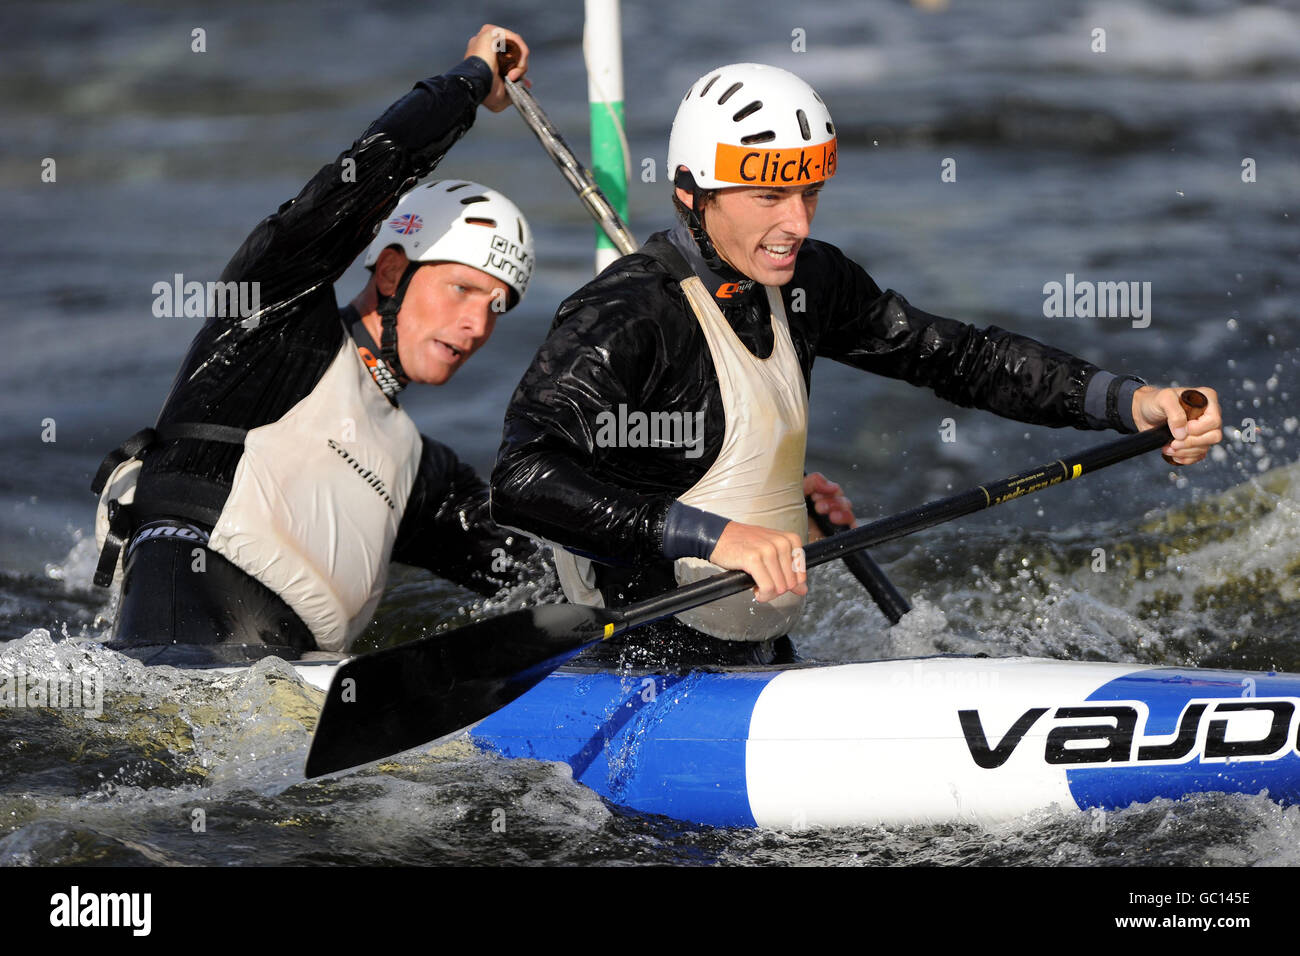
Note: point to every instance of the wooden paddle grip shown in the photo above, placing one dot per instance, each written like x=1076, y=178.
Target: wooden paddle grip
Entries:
x=1194, y=404
x=509, y=58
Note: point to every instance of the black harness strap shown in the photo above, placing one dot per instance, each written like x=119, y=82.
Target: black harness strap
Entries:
x=120, y=523
x=123, y=519
x=145, y=438
x=203, y=431
x=131, y=448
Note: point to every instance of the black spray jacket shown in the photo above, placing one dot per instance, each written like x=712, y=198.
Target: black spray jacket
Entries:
x=630, y=338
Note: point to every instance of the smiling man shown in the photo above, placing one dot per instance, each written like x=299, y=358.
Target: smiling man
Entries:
x=722, y=317
x=260, y=514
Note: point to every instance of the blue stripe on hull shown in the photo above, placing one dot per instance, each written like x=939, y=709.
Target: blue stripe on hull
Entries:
x=1166, y=692
x=676, y=748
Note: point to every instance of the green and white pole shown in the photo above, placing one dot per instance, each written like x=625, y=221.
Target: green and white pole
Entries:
x=603, y=46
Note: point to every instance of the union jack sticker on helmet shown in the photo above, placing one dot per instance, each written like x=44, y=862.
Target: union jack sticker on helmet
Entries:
x=406, y=224
x=468, y=223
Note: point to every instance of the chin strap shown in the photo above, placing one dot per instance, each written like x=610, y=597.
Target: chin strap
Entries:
x=695, y=222
x=702, y=240
x=388, y=308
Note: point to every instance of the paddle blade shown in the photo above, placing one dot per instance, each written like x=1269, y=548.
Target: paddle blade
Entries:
x=392, y=700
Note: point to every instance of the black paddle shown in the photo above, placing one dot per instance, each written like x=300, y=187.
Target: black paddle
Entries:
x=395, y=699
x=863, y=567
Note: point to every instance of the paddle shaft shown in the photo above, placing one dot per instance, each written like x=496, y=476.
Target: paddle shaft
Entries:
x=863, y=567
x=601, y=209
x=908, y=522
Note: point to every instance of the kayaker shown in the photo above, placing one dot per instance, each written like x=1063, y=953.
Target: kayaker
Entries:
x=260, y=514
x=715, y=325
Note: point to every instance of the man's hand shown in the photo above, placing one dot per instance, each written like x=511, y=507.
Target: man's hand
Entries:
x=1192, y=440
x=486, y=44
x=768, y=556
x=829, y=500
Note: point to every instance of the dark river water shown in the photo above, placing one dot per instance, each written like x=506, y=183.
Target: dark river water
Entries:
x=1169, y=159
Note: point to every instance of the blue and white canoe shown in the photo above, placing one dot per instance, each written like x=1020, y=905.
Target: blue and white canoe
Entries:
x=930, y=740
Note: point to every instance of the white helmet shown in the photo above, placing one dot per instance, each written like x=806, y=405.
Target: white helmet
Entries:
x=454, y=220
x=752, y=125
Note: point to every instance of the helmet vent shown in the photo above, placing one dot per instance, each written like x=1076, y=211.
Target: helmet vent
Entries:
x=468, y=200
x=764, y=137
x=452, y=189
x=752, y=108
x=490, y=223
x=803, y=125
x=731, y=91
x=829, y=128
x=709, y=85
x=519, y=224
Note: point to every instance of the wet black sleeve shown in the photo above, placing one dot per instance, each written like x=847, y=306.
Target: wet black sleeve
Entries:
x=604, y=350
x=990, y=368
x=446, y=527
x=311, y=239
x=249, y=365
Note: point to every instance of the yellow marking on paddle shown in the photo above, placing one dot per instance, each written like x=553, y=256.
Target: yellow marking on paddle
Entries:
x=1078, y=470
x=609, y=632
x=987, y=500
